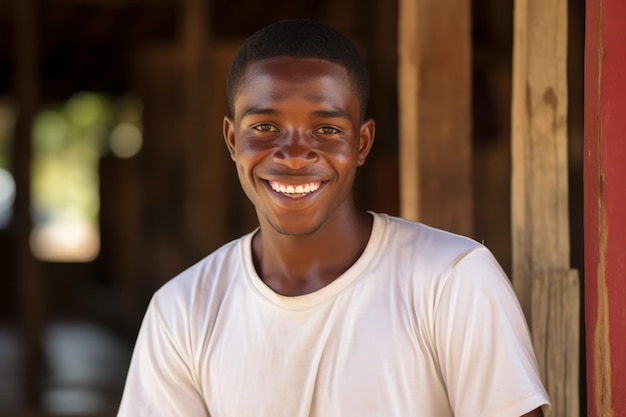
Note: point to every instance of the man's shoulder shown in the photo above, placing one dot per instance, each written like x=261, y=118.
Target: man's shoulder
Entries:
x=425, y=240
x=207, y=276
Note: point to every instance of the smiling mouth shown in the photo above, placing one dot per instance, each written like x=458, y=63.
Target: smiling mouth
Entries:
x=294, y=191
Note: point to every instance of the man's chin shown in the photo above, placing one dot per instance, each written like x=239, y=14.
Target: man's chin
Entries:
x=295, y=229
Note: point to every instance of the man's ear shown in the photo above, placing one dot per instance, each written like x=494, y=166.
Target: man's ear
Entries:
x=228, y=130
x=366, y=140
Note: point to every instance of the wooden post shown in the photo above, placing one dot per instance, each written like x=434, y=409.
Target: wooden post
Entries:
x=605, y=207
x=204, y=190
x=203, y=149
x=28, y=273
x=434, y=107
x=548, y=290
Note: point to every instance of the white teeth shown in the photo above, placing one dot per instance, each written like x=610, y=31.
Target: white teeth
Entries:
x=297, y=189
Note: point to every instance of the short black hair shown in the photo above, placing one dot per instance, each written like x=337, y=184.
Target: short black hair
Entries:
x=300, y=38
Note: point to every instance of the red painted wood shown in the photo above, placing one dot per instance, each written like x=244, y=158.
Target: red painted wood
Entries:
x=605, y=187
x=614, y=194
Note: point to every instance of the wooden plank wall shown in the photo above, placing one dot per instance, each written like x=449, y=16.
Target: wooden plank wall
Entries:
x=548, y=290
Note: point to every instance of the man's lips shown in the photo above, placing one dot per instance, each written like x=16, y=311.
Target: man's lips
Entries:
x=295, y=190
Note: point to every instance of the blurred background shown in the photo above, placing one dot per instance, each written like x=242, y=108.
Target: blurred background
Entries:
x=114, y=176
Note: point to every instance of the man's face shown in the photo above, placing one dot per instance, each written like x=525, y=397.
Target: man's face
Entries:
x=297, y=140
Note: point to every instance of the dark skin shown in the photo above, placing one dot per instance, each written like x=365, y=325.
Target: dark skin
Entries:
x=297, y=138
x=299, y=124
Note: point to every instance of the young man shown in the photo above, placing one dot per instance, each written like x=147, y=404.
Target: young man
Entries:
x=327, y=310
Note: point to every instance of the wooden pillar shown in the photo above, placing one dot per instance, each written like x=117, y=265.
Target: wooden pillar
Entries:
x=605, y=207
x=27, y=271
x=548, y=290
x=203, y=149
x=434, y=107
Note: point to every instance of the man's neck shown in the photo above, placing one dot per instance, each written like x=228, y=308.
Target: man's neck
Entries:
x=297, y=265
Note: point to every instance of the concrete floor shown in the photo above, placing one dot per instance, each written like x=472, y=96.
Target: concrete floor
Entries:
x=86, y=364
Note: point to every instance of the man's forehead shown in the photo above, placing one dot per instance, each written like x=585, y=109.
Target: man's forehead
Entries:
x=275, y=79
x=282, y=66
x=281, y=74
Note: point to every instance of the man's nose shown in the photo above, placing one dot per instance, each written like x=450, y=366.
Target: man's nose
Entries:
x=296, y=150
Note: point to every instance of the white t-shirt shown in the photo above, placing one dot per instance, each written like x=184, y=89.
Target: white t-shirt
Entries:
x=424, y=324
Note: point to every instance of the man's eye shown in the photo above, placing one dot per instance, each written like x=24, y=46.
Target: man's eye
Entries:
x=265, y=127
x=327, y=130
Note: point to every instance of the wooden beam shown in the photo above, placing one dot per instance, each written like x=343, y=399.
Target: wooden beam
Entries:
x=434, y=107
x=539, y=202
x=604, y=207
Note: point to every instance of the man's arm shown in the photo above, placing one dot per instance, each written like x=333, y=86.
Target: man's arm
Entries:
x=484, y=347
x=160, y=380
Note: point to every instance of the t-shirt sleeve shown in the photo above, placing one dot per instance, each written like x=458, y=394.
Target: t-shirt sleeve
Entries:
x=483, y=343
x=160, y=381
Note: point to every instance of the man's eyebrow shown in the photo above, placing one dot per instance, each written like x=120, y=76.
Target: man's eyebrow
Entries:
x=329, y=114
x=322, y=114
x=258, y=111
